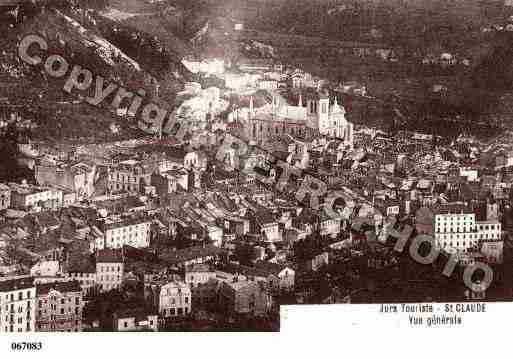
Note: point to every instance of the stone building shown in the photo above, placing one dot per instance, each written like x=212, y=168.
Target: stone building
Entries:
x=174, y=300
x=313, y=114
x=59, y=307
x=17, y=305
x=244, y=297
x=109, y=269
x=128, y=176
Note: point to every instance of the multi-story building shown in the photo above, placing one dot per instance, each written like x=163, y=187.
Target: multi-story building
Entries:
x=82, y=270
x=174, y=300
x=76, y=178
x=17, y=305
x=59, y=307
x=133, y=231
x=332, y=121
x=128, y=176
x=109, y=269
x=170, y=182
x=278, y=278
x=329, y=225
x=197, y=274
x=456, y=227
x=244, y=297
x=201, y=280
x=268, y=84
x=25, y=196
x=5, y=196
x=267, y=226
x=280, y=118
x=491, y=242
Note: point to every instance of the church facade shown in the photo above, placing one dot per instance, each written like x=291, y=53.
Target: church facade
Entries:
x=316, y=115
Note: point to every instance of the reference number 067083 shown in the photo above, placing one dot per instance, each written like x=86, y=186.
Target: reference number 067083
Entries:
x=22, y=346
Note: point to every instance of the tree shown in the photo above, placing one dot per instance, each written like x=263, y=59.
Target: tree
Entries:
x=244, y=254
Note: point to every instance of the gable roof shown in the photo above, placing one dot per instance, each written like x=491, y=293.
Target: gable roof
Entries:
x=186, y=254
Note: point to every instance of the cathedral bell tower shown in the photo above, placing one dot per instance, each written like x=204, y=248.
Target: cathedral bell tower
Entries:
x=324, y=113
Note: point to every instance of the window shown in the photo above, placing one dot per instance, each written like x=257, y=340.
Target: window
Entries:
x=125, y=324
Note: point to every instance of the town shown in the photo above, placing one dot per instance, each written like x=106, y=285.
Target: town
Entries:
x=159, y=232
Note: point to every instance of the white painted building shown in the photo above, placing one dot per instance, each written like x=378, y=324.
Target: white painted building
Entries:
x=109, y=270
x=329, y=225
x=126, y=320
x=268, y=84
x=332, y=121
x=215, y=234
x=174, y=299
x=25, y=196
x=45, y=268
x=17, y=305
x=457, y=228
x=134, y=232
x=471, y=174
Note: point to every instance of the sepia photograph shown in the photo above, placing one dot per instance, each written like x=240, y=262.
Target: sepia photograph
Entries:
x=218, y=165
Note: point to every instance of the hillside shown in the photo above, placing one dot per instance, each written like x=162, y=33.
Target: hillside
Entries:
x=128, y=57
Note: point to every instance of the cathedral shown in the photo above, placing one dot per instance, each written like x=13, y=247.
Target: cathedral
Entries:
x=315, y=115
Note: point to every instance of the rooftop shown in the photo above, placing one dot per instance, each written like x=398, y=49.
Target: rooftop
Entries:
x=186, y=254
x=140, y=314
x=9, y=285
x=62, y=287
x=109, y=256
